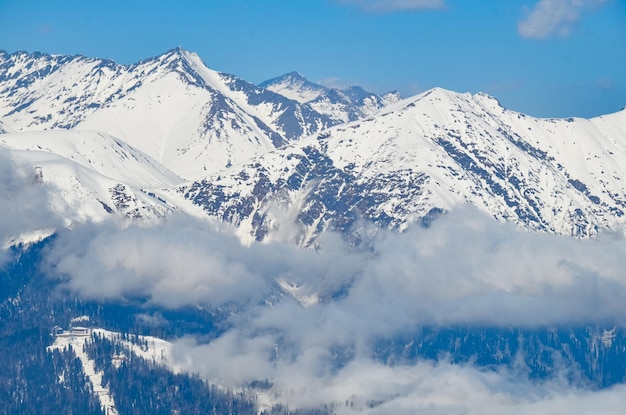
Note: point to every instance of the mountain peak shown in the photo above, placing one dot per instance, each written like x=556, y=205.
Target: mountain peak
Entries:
x=294, y=86
x=180, y=61
x=294, y=75
x=482, y=99
x=177, y=53
x=439, y=94
x=291, y=78
x=356, y=93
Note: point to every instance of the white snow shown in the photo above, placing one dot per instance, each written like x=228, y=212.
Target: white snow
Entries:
x=155, y=106
x=157, y=351
x=101, y=152
x=167, y=125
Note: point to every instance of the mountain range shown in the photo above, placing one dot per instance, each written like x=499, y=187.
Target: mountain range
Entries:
x=289, y=149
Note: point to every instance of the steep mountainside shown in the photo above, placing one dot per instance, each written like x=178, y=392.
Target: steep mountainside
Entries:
x=425, y=155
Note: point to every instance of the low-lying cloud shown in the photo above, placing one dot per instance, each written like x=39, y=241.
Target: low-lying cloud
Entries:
x=173, y=265
x=465, y=270
x=370, y=387
x=24, y=203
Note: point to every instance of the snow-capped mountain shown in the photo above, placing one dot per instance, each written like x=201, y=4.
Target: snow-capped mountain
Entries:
x=161, y=106
x=242, y=149
x=341, y=105
x=426, y=155
x=172, y=107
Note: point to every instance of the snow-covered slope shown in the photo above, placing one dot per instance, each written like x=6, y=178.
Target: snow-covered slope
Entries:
x=91, y=176
x=426, y=155
x=101, y=152
x=160, y=106
x=75, y=340
x=81, y=194
x=341, y=106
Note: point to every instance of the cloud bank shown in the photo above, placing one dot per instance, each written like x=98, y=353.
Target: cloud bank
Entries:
x=554, y=18
x=312, y=336
x=465, y=269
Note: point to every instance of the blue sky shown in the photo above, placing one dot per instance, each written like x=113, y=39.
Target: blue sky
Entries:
x=548, y=58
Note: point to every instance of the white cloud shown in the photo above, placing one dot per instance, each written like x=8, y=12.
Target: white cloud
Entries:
x=177, y=263
x=390, y=6
x=550, y=18
x=466, y=269
x=185, y=261
x=24, y=202
x=605, y=84
x=365, y=386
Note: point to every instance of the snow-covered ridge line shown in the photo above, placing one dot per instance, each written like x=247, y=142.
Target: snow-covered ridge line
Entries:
x=85, y=176
x=28, y=238
x=346, y=104
x=172, y=107
x=98, y=151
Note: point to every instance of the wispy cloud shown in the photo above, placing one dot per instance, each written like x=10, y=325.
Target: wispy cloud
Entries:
x=365, y=386
x=333, y=82
x=555, y=18
x=24, y=202
x=391, y=6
